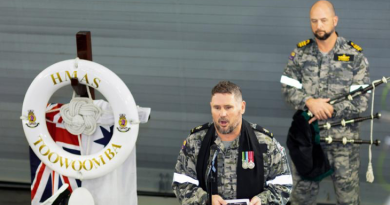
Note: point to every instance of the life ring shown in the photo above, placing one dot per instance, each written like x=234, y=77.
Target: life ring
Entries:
x=113, y=89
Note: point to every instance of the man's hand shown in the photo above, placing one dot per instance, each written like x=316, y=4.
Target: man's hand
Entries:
x=255, y=201
x=312, y=120
x=217, y=200
x=320, y=108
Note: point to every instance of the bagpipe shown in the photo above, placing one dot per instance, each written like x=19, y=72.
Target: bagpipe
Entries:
x=344, y=122
x=345, y=141
x=304, y=141
x=360, y=91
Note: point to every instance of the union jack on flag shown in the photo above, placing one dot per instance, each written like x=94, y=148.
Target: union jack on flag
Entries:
x=45, y=181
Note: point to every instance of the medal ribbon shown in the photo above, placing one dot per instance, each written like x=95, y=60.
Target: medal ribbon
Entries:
x=251, y=155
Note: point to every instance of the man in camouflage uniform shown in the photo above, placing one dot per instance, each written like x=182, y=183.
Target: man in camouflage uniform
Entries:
x=227, y=108
x=317, y=71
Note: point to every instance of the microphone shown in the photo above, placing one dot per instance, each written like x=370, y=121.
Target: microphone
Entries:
x=211, y=167
x=212, y=162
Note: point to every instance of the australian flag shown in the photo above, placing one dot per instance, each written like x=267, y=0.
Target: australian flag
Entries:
x=45, y=181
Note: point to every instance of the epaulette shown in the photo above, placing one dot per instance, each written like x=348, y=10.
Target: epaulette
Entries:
x=264, y=131
x=200, y=127
x=304, y=43
x=353, y=45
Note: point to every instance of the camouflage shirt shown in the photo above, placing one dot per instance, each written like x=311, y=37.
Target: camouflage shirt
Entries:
x=277, y=175
x=312, y=74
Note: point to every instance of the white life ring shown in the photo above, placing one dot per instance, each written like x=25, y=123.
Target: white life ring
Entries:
x=114, y=90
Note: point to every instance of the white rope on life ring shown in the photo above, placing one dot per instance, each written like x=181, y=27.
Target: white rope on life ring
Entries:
x=80, y=115
x=113, y=89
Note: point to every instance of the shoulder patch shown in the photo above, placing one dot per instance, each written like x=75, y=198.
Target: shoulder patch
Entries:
x=304, y=43
x=200, y=127
x=355, y=46
x=292, y=55
x=183, y=147
x=264, y=131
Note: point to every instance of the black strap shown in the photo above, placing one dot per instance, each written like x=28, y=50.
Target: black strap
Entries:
x=250, y=182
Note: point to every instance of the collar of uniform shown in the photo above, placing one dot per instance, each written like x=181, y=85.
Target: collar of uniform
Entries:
x=339, y=42
x=314, y=49
x=220, y=145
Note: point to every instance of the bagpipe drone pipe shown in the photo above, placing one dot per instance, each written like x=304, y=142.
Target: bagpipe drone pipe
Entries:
x=303, y=140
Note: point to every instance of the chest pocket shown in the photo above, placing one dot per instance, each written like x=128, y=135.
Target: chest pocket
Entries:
x=310, y=75
x=341, y=78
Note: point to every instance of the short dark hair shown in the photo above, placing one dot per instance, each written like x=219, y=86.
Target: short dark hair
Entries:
x=227, y=87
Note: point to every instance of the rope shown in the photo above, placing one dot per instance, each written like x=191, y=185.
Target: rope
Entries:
x=80, y=117
x=81, y=146
x=370, y=172
x=76, y=62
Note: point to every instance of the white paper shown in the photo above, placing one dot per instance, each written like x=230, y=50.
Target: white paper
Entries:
x=238, y=202
x=143, y=114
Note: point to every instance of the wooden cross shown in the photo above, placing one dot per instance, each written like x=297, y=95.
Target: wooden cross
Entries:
x=84, y=51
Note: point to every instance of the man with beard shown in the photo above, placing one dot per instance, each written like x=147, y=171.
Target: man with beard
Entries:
x=245, y=159
x=317, y=71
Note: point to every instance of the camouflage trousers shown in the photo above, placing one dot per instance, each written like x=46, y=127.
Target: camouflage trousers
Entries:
x=345, y=161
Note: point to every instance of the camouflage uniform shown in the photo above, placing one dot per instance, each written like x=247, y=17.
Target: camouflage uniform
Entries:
x=277, y=175
x=319, y=76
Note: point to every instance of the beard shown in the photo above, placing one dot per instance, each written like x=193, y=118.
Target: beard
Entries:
x=325, y=36
x=229, y=129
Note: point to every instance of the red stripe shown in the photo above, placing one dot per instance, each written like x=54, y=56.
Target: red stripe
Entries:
x=57, y=133
x=62, y=135
x=52, y=182
x=50, y=116
x=37, y=180
x=66, y=180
